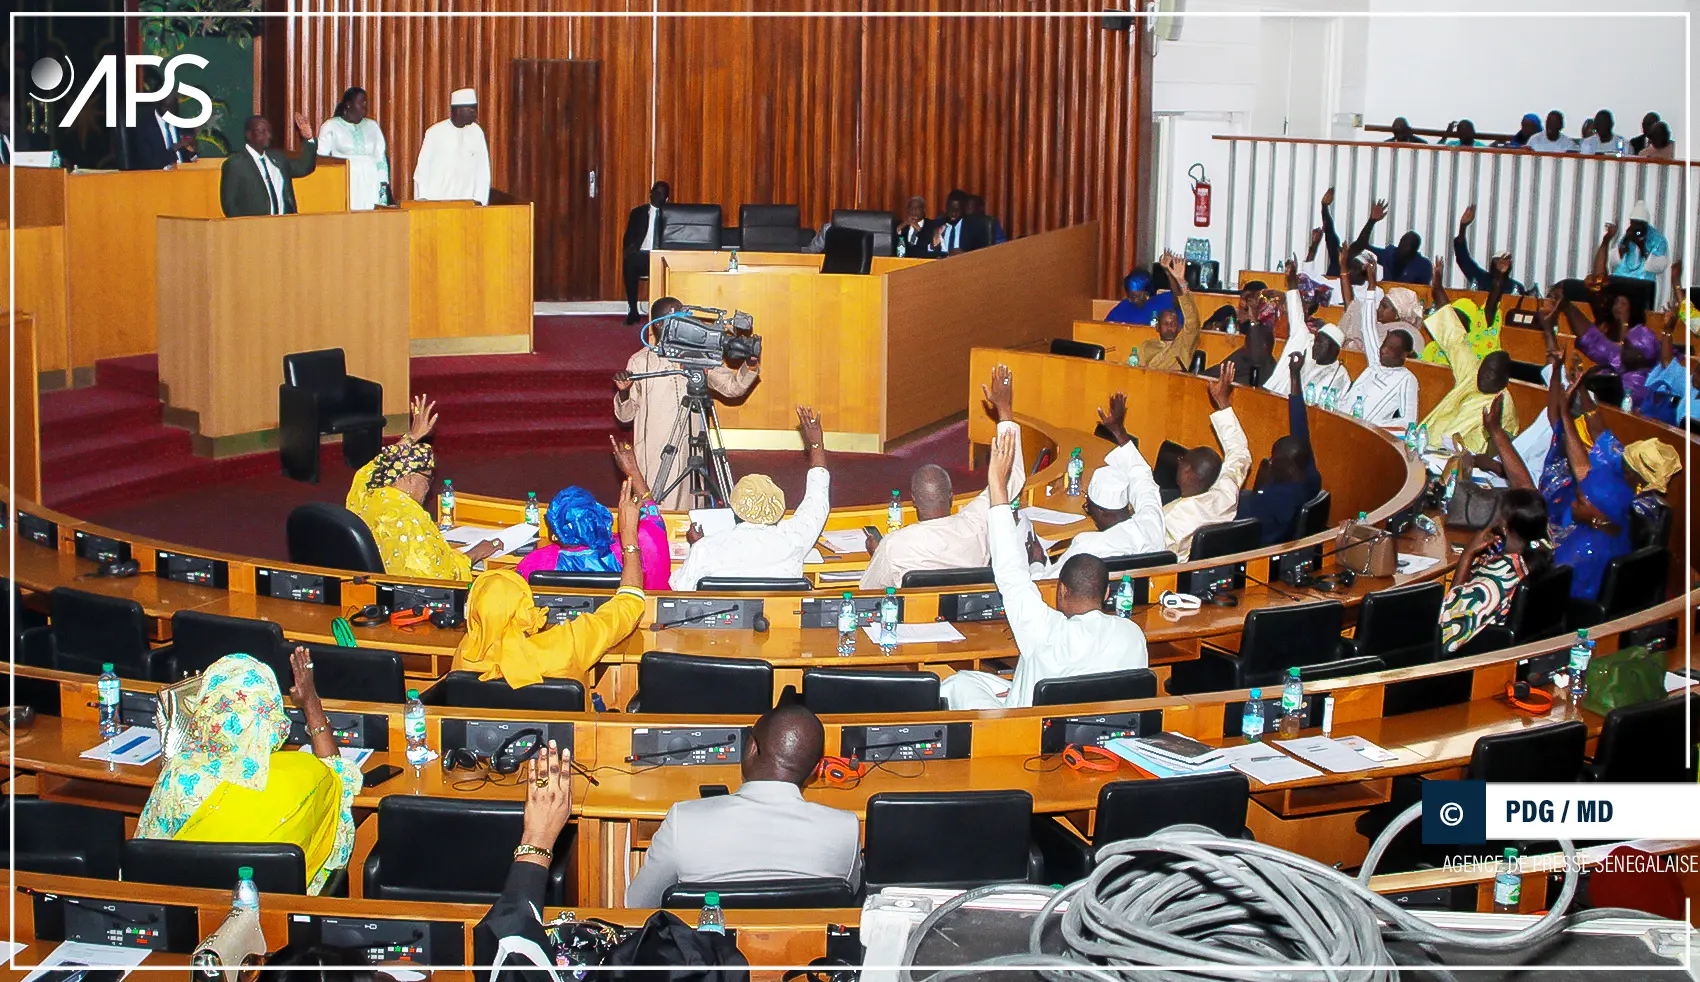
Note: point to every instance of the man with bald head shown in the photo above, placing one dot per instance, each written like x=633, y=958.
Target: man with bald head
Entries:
x=941, y=540
x=763, y=831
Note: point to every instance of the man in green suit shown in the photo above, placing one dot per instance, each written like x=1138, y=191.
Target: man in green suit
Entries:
x=259, y=180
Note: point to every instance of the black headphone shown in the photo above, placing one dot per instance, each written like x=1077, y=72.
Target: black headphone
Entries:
x=1331, y=582
x=508, y=758
x=446, y=618
x=121, y=568
x=371, y=615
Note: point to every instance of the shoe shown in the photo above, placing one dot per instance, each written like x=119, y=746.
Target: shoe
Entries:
x=633, y=317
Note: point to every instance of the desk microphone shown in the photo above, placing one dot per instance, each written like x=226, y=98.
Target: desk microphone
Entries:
x=726, y=744
x=664, y=625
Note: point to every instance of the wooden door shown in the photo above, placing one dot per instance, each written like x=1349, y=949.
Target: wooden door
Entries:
x=555, y=165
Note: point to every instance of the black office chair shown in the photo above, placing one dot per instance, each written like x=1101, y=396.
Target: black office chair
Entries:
x=1226, y=539
x=753, y=584
x=842, y=691
x=1274, y=640
x=1077, y=349
x=698, y=685
x=762, y=894
x=1652, y=528
x=1631, y=583
x=1141, y=560
x=1538, y=609
x=1196, y=366
x=318, y=396
x=89, y=629
x=354, y=674
x=573, y=579
x=464, y=690
x=322, y=534
x=1166, y=470
x=976, y=232
x=451, y=850
x=1400, y=625
x=1522, y=371
x=956, y=576
x=1313, y=515
x=1135, y=809
x=278, y=867
x=1131, y=683
x=848, y=251
x=198, y=640
x=881, y=224
x=688, y=227
x=770, y=228
x=62, y=839
x=1643, y=743
x=948, y=839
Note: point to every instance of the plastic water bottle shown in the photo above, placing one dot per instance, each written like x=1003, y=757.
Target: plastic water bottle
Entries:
x=109, y=694
x=1292, y=705
x=1422, y=439
x=902, y=248
x=1233, y=325
x=1310, y=393
x=894, y=513
x=1358, y=408
x=413, y=727
x=1507, y=885
x=888, y=617
x=1124, y=597
x=246, y=896
x=1133, y=358
x=532, y=517
x=1251, y=718
x=1411, y=438
x=446, y=506
x=710, y=918
x=1451, y=489
x=732, y=267
x=847, y=625
x=1076, y=468
x=1581, y=653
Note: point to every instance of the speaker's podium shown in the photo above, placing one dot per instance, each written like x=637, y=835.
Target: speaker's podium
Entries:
x=237, y=294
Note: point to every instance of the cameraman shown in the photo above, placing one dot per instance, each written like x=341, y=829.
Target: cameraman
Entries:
x=651, y=405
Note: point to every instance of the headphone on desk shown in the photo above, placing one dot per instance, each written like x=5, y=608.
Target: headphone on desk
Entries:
x=838, y=772
x=409, y=616
x=1527, y=698
x=371, y=615
x=508, y=758
x=1085, y=757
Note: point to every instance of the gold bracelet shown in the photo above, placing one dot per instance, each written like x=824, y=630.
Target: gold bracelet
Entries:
x=527, y=850
x=316, y=730
x=629, y=550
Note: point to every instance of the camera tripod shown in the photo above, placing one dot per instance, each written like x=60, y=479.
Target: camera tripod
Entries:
x=696, y=428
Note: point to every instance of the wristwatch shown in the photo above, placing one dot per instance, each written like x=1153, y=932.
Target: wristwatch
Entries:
x=528, y=850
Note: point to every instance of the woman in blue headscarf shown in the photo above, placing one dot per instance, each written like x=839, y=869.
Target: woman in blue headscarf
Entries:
x=583, y=531
x=1138, y=305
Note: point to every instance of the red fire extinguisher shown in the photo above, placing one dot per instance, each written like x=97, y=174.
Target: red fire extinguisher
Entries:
x=1200, y=196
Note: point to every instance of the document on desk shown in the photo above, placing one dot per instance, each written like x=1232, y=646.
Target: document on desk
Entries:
x=357, y=756
x=712, y=520
x=1411, y=565
x=8, y=949
x=936, y=632
x=1378, y=754
x=511, y=538
x=845, y=540
x=73, y=955
x=1047, y=516
x=134, y=745
x=814, y=558
x=1266, y=765
x=1328, y=754
x=1674, y=682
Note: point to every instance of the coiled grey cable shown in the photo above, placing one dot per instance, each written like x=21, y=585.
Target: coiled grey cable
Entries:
x=1187, y=903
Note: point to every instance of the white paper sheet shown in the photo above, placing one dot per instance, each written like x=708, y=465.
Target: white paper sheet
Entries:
x=8, y=949
x=845, y=540
x=357, y=756
x=712, y=520
x=936, y=632
x=1674, y=682
x=1410, y=564
x=77, y=954
x=678, y=549
x=814, y=558
x=841, y=576
x=1380, y=755
x=1328, y=754
x=134, y=745
x=511, y=538
x=1265, y=764
x=1048, y=516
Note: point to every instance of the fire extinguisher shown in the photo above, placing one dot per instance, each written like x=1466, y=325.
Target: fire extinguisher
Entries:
x=1200, y=196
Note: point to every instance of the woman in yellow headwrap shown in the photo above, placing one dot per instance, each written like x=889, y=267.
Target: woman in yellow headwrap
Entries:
x=506, y=632
x=1483, y=336
x=389, y=496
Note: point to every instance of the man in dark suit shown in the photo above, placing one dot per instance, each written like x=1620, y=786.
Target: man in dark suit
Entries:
x=943, y=234
x=642, y=228
x=154, y=143
x=260, y=180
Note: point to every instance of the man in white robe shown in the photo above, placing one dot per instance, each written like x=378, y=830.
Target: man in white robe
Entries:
x=454, y=161
x=1122, y=500
x=1209, y=481
x=1322, y=368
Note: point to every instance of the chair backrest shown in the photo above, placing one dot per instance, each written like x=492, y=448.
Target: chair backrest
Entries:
x=1644, y=743
x=770, y=228
x=976, y=232
x=198, y=640
x=1077, y=349
x=1401, y=625
x=324, y=371
x=1133, y=809
x=695, y=684
x=1139, y=560
x=1166, y=471
x=1650, y=528
x=1334, y=669
x=355, y=674
x=762, y=894
x=1227, y=538
x=753, y=584
x=278, y=867
x=848, y=250
x=1550, y=754
x=464, y=690
x=1313, y=515
x=688, y=227
x=1523, y=371
x=89, y=629
x=322, y=534
x=948, y=839
x=469, y=842
x=1277, y=638
x=955, y=576
x=829, y=691
x=63, y=839
x=1634, y=582
x=1132, y=683
x=883, y=225
x=574, y=579
x=1537, y=609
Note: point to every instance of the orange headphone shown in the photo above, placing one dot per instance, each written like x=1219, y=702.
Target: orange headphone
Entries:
x=409, y=616
x=839, y=771
x=1088, y=758
x=1530, y=700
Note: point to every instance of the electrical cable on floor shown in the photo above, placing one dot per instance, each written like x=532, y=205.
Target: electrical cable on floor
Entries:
x=1187, y=903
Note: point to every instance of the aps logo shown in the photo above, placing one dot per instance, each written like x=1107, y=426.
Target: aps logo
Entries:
x=53, y=80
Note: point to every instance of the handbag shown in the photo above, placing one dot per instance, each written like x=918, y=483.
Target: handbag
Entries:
x=1366, y=550
x=176, y=702
x=1626, y=677
x=1472, y=506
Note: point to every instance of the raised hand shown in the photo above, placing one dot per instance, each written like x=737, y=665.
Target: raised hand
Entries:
x=1469, y=217
x=548, y=802
x=422, y=417
x=1315, y=239
x=693, y=533
x=1378, y=211
x=1222, y=387
x=808, y=423
x=1438, y=277
x=997, y=472
x=1492, y=422
x=1295, y=364
x=1115, y=419
x=628, y=514
x=1291, y=268
x=303, y=127
x=1611, y=230
x=1000, y=394
x=1328, y=198
x=625, y=457
x=304, y=693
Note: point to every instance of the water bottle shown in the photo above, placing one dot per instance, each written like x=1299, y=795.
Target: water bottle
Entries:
x=413, y=727
x=894, y=513
x=1411, y=438
x=384, y=193
x=1507, y=885
x=1310, y=393
x=1422, y=439
x=1292, y=705
x=109, y=691
x=446, y=506
x=888, y=617
x=532, y=517
x=1358, y=408
x=1076, y=468
x=732, y=267
x=1451, y=489
x=1581, y=653
x=1133, y=358
x=847, y=625
x=902, y=249
x=1233, y=325
x=711, y=919
x=1124, y=598
x=246, y=896
x=1251, y=718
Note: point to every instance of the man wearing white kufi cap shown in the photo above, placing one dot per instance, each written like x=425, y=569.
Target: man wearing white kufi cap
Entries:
x=1122, y=500
x=454, y=161
x=1321, y=351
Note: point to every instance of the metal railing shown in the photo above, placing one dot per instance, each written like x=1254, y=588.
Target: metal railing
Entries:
x=1547, y=209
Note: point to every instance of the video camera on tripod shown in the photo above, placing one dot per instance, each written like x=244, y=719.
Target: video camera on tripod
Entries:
x=706, y=336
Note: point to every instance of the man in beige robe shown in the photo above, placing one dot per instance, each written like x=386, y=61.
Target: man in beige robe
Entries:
x=651, y=405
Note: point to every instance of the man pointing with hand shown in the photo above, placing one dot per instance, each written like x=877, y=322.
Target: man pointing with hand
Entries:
x=259, y=179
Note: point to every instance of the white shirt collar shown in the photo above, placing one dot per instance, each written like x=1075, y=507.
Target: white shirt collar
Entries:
x=259, y=157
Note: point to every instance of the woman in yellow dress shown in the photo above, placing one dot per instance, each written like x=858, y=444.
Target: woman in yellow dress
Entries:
x=389, y=496
x=230, y=782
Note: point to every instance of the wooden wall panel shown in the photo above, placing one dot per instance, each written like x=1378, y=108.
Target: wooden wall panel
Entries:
x=1038, y=113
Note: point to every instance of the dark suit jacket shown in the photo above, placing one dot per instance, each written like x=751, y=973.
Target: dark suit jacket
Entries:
x=637, y=225
x=146, y=144
x=242, y=189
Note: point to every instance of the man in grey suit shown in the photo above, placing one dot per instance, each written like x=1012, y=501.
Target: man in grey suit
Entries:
x=260, y=180
x=766, y=831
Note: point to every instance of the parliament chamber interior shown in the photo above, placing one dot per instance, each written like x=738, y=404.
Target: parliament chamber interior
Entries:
x=628, y=531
